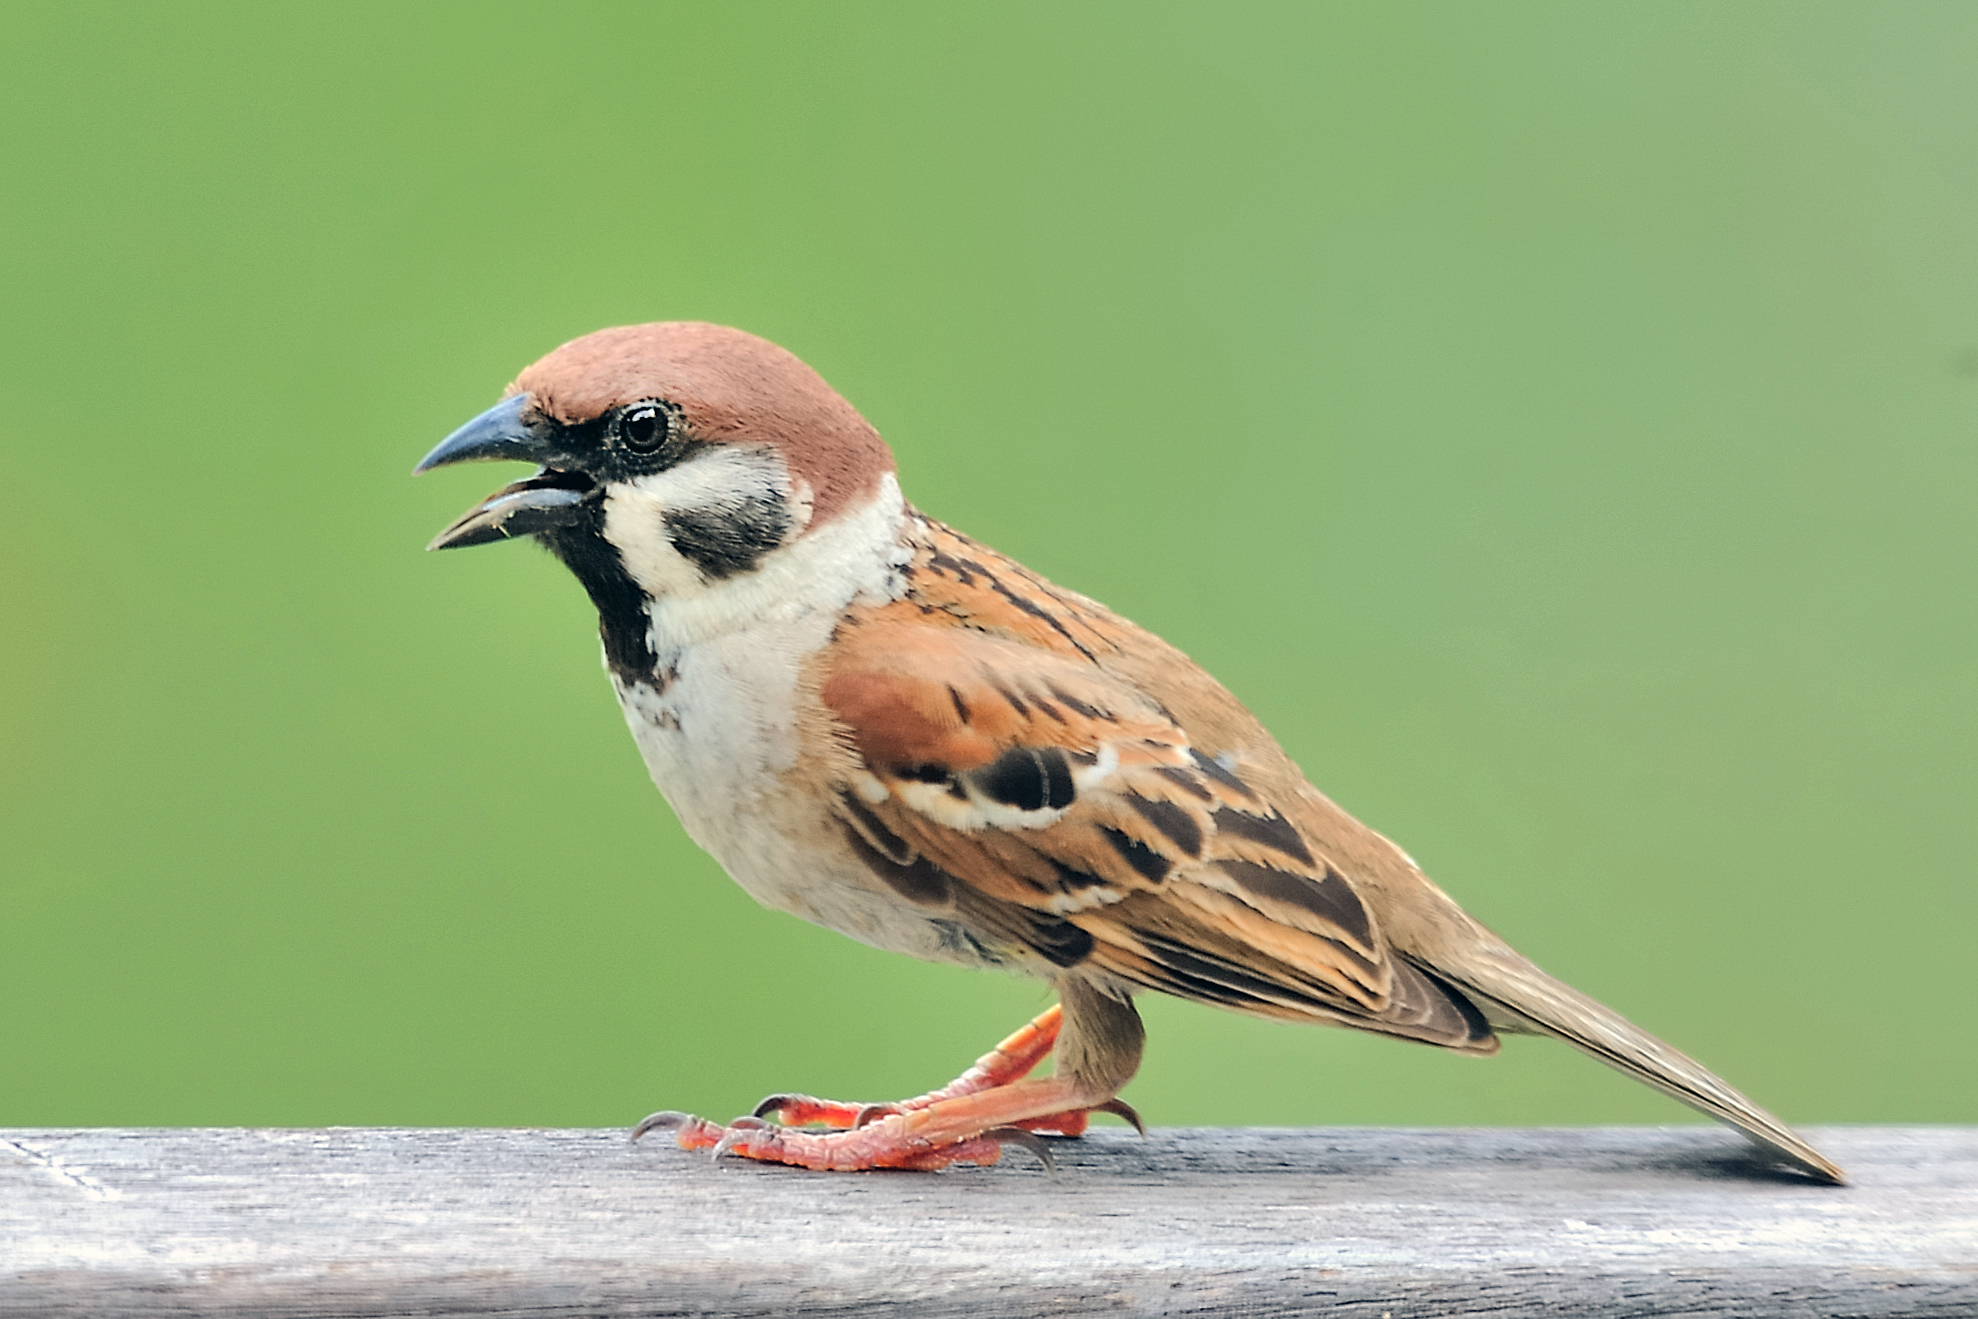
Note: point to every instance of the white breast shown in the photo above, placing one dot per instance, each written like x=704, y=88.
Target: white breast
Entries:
x=717, y=727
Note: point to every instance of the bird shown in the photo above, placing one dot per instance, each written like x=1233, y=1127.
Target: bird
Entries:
x=877, y=724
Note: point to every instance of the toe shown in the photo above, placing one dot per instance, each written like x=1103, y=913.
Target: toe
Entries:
x=879, y=1145
x=794, y=1110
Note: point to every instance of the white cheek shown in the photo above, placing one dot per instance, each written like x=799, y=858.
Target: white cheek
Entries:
x=818, y=573
x=634, y=522
x=634, y=512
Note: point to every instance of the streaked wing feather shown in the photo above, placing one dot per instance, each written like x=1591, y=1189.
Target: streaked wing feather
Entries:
x=1008, y=779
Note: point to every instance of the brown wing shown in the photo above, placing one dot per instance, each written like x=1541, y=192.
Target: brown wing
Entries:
x=1063, y=815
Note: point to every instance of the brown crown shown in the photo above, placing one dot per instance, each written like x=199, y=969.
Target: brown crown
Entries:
x=731, y=387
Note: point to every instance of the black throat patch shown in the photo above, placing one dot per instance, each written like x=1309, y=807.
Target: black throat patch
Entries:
x=622, y=620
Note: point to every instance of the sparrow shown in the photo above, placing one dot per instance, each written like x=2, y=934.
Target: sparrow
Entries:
x=879, y=725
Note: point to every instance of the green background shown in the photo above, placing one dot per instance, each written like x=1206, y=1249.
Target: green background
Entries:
x=1555, y=420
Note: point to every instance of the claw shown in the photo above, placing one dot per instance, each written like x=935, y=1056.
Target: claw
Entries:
x=1029, y=1140
x=689, y=1132
x=736, y=1132
x=666, y=1119
x=776, y=1104
x=795, y=1110
x=1119, y=1108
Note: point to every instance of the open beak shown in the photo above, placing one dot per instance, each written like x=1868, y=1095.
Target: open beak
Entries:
x=549, y=499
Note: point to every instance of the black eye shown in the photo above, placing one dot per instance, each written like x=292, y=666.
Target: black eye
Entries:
x=644, y=427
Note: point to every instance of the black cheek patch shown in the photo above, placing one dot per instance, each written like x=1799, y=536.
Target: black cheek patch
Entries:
x=1273, y=831
x=1151, y=865
x=1331, y=898
x=1027, y=779
x=729, y=538
x=1170, y=819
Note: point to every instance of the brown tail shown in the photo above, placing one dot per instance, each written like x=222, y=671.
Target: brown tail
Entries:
x=1518, y=997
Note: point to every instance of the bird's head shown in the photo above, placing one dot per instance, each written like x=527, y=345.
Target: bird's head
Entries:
x=672, y=459
x=725, y=443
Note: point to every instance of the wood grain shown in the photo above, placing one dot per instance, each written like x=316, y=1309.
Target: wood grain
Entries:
x=1362, y=1222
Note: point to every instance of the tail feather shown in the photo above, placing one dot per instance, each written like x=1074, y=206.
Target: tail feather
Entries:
x=1516, y=996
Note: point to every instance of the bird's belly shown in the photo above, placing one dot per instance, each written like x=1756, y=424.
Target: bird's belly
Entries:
x=716, y=726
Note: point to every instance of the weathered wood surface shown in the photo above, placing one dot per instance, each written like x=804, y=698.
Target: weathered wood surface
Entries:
x=1363, y=1222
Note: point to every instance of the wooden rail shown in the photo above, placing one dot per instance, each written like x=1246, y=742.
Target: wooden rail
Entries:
x=1362, y=1222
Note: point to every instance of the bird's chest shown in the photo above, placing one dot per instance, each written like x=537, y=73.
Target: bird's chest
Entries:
x=717, y=725
x=722, y=727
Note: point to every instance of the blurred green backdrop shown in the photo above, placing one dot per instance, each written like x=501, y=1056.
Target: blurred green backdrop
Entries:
x=1555, y=420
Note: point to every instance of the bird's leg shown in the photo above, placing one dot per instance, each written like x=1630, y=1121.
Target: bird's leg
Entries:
x=1007, y=1063
x=964, y=1121
x=966, y=1129
x=1012, y=1060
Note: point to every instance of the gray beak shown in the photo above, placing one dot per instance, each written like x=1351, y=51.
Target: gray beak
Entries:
x=500, y=432
x=542, y=502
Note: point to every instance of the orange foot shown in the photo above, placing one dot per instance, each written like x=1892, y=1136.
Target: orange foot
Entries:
x=966, y=1121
